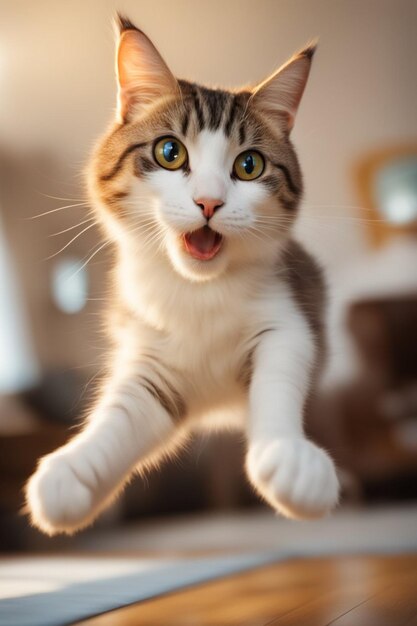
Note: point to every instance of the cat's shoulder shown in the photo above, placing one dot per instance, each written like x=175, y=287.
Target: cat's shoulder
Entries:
x=301, y=268
x=305, y=278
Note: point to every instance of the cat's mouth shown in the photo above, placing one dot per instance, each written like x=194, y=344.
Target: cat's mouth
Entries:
x=203, y=244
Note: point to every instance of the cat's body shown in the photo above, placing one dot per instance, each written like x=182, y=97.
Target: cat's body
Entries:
x=219, y=313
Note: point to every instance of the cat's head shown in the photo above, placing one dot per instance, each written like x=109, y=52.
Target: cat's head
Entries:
x=206, y=177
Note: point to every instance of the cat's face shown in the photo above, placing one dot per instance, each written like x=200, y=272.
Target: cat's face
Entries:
x=206, y=177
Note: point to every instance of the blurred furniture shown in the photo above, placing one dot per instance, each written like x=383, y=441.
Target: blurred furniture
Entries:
x=27, y=437
x=382, y=425
x=372, y=421
x=33, y=423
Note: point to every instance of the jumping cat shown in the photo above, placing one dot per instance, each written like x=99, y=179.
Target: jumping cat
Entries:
x=218, y=311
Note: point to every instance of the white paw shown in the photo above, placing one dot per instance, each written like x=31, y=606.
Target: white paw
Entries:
x=296, y=477
x=59, y=502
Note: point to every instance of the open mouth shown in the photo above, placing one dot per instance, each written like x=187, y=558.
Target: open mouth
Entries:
x=203, y=244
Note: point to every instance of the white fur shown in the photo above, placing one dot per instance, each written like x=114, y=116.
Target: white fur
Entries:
x=293, y=474
x=193, y=324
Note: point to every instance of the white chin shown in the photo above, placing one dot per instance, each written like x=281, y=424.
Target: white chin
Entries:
x=194, y=269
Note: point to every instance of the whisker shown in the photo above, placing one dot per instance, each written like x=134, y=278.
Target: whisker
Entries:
x=348, y=218
x=45, y=195
x=337, y=206
x=106, y=243
x=152, y=233
x=253, y=233
x=151, y=237
x=60, y=232
x=61, y=208
x=70, y=242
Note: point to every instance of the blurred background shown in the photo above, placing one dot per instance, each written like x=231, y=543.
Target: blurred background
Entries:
x=356, y=136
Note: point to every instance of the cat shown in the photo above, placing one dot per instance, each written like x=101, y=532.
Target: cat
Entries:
x=218, y=311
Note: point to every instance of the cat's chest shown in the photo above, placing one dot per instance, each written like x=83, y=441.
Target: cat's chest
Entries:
x=208, y=354
x=203, y=332
x=206, y=338
x=203, y=337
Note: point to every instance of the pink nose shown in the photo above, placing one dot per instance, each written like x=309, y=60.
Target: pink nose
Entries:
x=209, y=206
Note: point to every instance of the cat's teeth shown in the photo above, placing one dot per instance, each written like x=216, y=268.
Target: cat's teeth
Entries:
x=203, y=244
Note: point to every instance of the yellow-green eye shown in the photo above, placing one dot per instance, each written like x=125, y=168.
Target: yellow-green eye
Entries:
x=170, y=153
x=249, y=165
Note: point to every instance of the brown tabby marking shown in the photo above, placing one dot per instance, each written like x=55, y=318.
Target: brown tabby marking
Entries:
x=197, y=109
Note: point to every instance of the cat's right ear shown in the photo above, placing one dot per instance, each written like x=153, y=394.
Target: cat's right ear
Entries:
x=142, y=75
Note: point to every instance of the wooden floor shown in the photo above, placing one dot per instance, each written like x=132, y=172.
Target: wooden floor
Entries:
x=342, y=591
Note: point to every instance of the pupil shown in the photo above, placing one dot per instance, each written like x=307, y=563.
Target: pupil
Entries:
x=249, y=164
x=171, y=151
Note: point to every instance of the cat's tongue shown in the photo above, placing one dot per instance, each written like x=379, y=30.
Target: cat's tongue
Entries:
x=203, y=244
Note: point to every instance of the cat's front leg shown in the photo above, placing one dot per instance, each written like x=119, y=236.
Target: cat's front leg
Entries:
x=293, y=474
x=133, y=421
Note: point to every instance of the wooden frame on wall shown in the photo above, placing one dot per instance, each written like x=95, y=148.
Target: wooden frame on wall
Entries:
x=378, y=229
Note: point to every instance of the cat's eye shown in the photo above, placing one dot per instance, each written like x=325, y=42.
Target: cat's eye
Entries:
x=170, y=153
x=249, y=165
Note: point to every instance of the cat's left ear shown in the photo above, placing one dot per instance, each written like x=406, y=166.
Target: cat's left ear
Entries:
x=279, y=95
x=142, y=74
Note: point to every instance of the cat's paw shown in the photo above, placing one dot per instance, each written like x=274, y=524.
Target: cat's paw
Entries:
x=58, y=501
x=296, y=477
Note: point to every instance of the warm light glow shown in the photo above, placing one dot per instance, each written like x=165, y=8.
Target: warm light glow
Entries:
x=396, y=190
x=69, y=285
x=401, y=207
x=18, y=366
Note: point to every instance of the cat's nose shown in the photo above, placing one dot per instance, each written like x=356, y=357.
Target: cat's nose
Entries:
x=209, y=205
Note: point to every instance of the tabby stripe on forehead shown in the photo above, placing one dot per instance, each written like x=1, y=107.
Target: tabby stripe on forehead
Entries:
x=231, y=118
x=185, y=122
x=242, y=133
x=293, y=187
x=198, y=109
x=216, y=103
x=121, y=159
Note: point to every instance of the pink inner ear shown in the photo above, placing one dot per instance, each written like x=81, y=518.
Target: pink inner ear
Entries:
x=127, y=99
x=280, y=95
x=143, y=75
